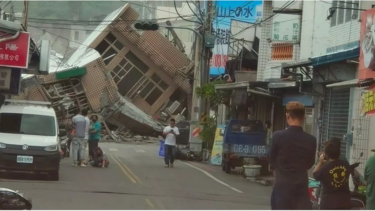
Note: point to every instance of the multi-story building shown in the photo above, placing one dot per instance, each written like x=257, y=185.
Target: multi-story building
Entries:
x=143, y=67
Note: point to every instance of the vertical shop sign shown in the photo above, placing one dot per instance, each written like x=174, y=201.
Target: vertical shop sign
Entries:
x=245, y=11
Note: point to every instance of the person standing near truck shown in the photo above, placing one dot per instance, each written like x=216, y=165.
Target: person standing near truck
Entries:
x=292, y=154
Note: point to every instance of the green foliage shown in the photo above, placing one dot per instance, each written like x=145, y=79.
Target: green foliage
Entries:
x=208, y=92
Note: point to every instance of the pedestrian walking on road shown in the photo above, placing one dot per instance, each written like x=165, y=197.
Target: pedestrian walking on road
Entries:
x=333, y=174
x=370, y=179
x=292, y=154
x=94, y=135
x=170, y=132
x=79, y=125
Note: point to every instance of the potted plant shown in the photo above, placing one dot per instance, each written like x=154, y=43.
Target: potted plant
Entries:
x=250, y=169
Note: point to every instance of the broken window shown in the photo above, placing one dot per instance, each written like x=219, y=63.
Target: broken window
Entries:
x=333, y=18
x=137, y=62
x=153, y=96
x=109, y=47
x=110, y=38
x=102, y=47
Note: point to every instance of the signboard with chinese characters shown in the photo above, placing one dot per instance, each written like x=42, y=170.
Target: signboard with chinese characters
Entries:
x=10, y=81
x=226, y=11
x=367, y=103
x=366, y=66
x=15, y=52
x=286, y=28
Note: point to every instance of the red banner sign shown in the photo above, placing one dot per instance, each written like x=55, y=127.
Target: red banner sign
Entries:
x=15, y=52
x=367, y=52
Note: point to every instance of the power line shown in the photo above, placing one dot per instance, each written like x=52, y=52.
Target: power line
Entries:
x=271, y=16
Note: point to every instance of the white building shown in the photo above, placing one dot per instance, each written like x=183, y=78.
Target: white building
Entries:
x=327, y=51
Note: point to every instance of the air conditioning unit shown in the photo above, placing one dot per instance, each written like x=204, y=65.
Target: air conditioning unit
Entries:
x=171, y=109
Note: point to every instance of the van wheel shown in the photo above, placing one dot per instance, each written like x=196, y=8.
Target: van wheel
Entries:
x=54, y=175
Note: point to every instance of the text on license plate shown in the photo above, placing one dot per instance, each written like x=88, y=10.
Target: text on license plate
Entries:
x=250, y=149
x=25, y=159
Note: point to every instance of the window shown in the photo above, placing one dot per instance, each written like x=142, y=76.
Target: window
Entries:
x=340, y=13
x=76, y=35
x=128, y=76
x=28, y=124
x=153, y=96
x=88, y=32
x=137, y=62
x=348, y=12
x=152, y=89
x=333, y=18
x=108, y=47
x=159, y=82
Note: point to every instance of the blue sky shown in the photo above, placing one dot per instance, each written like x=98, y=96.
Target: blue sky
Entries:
x=245, y=11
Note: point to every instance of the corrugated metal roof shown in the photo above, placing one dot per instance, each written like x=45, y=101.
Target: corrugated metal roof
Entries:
x=352, y=82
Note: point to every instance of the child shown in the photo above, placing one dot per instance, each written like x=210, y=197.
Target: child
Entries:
x=333, y=175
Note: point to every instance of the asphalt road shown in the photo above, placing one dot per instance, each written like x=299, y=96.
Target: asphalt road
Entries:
x=137, y=179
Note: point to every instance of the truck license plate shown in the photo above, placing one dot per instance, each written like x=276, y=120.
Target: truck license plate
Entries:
x=25, y=159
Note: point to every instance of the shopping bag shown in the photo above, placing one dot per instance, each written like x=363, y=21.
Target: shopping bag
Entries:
x=161, y=149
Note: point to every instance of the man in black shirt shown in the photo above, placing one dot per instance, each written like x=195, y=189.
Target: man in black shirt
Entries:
x=334, y=176
x=292, y=154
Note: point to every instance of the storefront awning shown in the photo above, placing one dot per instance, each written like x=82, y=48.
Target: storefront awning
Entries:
x=348, y=83
x=282, y=84
x=237, y=85
x=71, y=73
x=335, y=57
x=267, y=94
x=299, y=63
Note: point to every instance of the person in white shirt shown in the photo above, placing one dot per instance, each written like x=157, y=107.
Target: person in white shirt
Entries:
x=170, y=132
x=85, y=143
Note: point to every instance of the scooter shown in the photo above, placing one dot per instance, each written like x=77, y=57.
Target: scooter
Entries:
x=358, y=197
x=65, y=151
x=13, y=200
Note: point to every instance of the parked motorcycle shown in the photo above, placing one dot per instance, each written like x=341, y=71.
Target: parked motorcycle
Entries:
x=65, y=151
x=358, y=196
x=13, y=200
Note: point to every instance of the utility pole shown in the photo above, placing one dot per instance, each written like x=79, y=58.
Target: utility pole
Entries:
x=196, y=101
x=206, y=54
x=25, y=13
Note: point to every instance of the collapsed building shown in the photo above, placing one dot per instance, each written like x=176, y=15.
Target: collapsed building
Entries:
x=133, y=79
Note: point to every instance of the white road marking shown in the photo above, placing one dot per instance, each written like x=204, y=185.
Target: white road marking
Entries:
x=139, y=150
x=113, y=149
x=213, y=178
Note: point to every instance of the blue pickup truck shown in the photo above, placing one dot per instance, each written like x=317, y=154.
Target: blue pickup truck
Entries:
x=244, y=139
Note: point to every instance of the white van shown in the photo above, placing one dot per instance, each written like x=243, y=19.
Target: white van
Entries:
x=29, y=138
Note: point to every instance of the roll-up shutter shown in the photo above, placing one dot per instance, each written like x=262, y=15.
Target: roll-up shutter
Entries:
x=335, y=115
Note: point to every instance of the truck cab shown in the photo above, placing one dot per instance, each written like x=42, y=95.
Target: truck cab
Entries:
x=29, y=138
x=244, y=139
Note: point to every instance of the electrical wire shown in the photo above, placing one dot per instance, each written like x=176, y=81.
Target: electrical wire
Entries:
x=175, y=7
x=199, y=18
x=271, y=16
